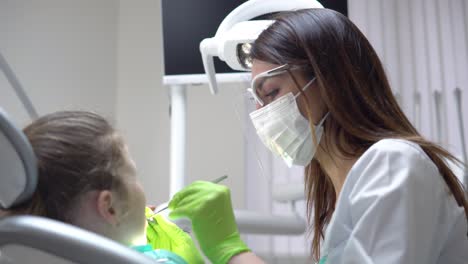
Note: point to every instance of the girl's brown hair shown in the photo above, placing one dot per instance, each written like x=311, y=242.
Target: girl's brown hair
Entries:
x=356, y=92
x=76, y=152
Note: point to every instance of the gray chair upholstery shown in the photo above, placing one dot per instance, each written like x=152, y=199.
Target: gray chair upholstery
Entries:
x=18, y=180
x=66, y=241
x=18, y=169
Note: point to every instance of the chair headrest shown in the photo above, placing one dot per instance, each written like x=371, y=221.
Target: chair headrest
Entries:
x=18, y=167
x=66, y=241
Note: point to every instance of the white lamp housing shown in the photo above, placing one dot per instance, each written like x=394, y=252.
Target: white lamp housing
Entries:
x=245, y=32
x=236, y=30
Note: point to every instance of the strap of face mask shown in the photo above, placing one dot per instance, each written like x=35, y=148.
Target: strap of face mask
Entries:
x=323, y=119
x=308, y=84
x=305, y=87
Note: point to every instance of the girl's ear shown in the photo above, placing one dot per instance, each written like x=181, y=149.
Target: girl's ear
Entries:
x=106, y=207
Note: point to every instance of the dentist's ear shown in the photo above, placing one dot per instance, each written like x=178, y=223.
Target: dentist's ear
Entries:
x=106, y=207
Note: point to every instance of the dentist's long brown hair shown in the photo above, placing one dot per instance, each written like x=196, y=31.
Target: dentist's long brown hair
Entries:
x=356, y=92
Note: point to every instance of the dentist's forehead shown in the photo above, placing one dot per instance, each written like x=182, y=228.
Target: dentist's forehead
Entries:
x=261, y=66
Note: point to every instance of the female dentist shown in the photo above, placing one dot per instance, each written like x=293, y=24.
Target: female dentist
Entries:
x=377, y=191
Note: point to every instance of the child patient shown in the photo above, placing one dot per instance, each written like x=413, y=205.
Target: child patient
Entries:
x=87, y=179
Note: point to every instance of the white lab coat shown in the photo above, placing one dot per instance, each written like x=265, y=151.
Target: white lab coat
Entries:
x=395, y=207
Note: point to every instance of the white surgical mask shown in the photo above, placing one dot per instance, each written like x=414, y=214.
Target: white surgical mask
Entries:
x=282, y=129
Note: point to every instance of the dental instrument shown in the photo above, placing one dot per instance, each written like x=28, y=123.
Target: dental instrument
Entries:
x=217, y=180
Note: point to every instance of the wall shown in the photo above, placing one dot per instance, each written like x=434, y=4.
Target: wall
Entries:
x=63, y=52
x=215, y=142
x=423, y=45
x=103, y=56
x=142, y=102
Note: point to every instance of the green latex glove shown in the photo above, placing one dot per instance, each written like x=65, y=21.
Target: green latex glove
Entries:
x=162, y=234
x=209, y=207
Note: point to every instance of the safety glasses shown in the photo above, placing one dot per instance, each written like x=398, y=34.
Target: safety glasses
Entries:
x=265, y=85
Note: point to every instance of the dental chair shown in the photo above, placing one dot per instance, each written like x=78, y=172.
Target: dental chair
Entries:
x=32, y=239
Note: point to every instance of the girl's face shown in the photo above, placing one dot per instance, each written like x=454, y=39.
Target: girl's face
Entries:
x=118, y=214
x=132, y=220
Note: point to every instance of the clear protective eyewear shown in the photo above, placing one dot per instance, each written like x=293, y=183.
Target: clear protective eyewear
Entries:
x=264, y=85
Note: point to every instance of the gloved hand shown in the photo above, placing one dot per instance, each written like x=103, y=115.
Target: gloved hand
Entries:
x=209, y=207
x=162, y=234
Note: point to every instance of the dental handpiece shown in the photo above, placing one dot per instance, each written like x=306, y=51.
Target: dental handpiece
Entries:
x=217, y=180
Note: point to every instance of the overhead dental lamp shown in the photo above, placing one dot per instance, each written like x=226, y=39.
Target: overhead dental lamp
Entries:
x=235, y=35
